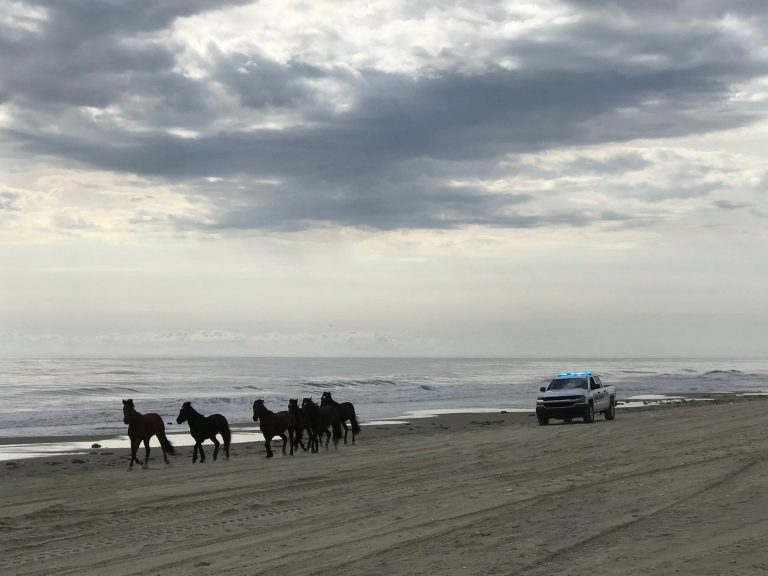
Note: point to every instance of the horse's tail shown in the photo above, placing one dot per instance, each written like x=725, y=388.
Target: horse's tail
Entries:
x=167, y=446
x=354, y=422
x=226, y=434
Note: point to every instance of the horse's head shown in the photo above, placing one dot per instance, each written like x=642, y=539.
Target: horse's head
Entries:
x=326, y=399
x=128, y=408
x=293, y=405
x=258, y=406
x=184, y=412
x=308, y=404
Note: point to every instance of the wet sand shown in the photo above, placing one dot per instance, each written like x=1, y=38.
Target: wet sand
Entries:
x=676, y=489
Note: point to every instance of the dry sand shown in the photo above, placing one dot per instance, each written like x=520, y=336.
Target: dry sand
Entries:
x=668, y=490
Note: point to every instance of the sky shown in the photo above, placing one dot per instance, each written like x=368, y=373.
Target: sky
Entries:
x=384, y=178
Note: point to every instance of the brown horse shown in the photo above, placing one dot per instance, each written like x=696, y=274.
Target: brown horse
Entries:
x=141, y=427
x=346, y=412
x=273, y=424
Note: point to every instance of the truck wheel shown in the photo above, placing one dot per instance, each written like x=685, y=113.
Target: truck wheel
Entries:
x=589, y=413
x=610, y=413
x=543, y=421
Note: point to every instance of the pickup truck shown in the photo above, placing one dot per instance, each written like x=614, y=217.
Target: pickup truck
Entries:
x=575, y=395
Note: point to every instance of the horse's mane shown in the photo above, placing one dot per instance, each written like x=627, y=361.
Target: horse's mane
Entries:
x=327, y=396
x=260, y=401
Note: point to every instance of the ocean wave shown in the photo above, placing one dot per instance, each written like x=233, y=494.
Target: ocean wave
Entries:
x=107, y=390
x=720, y=373
x=351, y=383
x=103, y=391
x=735, y=376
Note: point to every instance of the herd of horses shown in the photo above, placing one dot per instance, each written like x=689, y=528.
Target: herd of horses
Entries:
x=316, y=421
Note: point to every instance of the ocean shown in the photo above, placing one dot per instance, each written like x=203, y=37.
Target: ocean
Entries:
x=82, y=396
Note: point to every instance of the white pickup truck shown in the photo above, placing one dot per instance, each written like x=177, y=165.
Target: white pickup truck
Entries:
x=575, y=395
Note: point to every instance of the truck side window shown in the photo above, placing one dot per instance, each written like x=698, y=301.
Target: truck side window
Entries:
x=592, y=384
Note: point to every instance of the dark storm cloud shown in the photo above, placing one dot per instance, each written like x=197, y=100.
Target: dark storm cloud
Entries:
x=384, y=160
x=262, y=83
x=618, y=164
x=94, y=53
x=728, y=205
x=72, y=21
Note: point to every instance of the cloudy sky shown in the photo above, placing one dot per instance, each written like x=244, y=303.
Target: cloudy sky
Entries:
x=480, y=177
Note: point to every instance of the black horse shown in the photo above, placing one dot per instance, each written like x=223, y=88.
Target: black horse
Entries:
x=346, y=412
x=322, y=419
x=273, y=424
x=205, y=427
x=300, y=424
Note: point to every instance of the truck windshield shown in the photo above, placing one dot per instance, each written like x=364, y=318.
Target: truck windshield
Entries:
x=567, y=384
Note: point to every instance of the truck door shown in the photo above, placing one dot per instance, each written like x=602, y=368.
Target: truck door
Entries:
x=599, y=397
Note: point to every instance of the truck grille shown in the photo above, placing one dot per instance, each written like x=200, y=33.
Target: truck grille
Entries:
x=563, y=401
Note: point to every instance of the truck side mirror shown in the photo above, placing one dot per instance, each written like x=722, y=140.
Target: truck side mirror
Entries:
x=542, y=389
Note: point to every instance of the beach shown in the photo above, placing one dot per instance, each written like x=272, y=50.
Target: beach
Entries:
x=671, y=489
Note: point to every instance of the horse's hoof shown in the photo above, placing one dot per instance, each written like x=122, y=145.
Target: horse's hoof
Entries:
x=270, y=455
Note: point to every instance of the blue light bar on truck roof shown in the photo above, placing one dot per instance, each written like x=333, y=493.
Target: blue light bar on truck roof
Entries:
x=565, y=374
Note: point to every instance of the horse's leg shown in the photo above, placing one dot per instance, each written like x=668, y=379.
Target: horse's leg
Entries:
x=202, y=454
x=194, y=452
x=298, y=434
x=134, y=448
x=146, y=454
x=290, y=440
x=215, y=447
x=327, y=439
x=285, y=439
x=162, y=448
x=267, y=442
x=346, y=429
